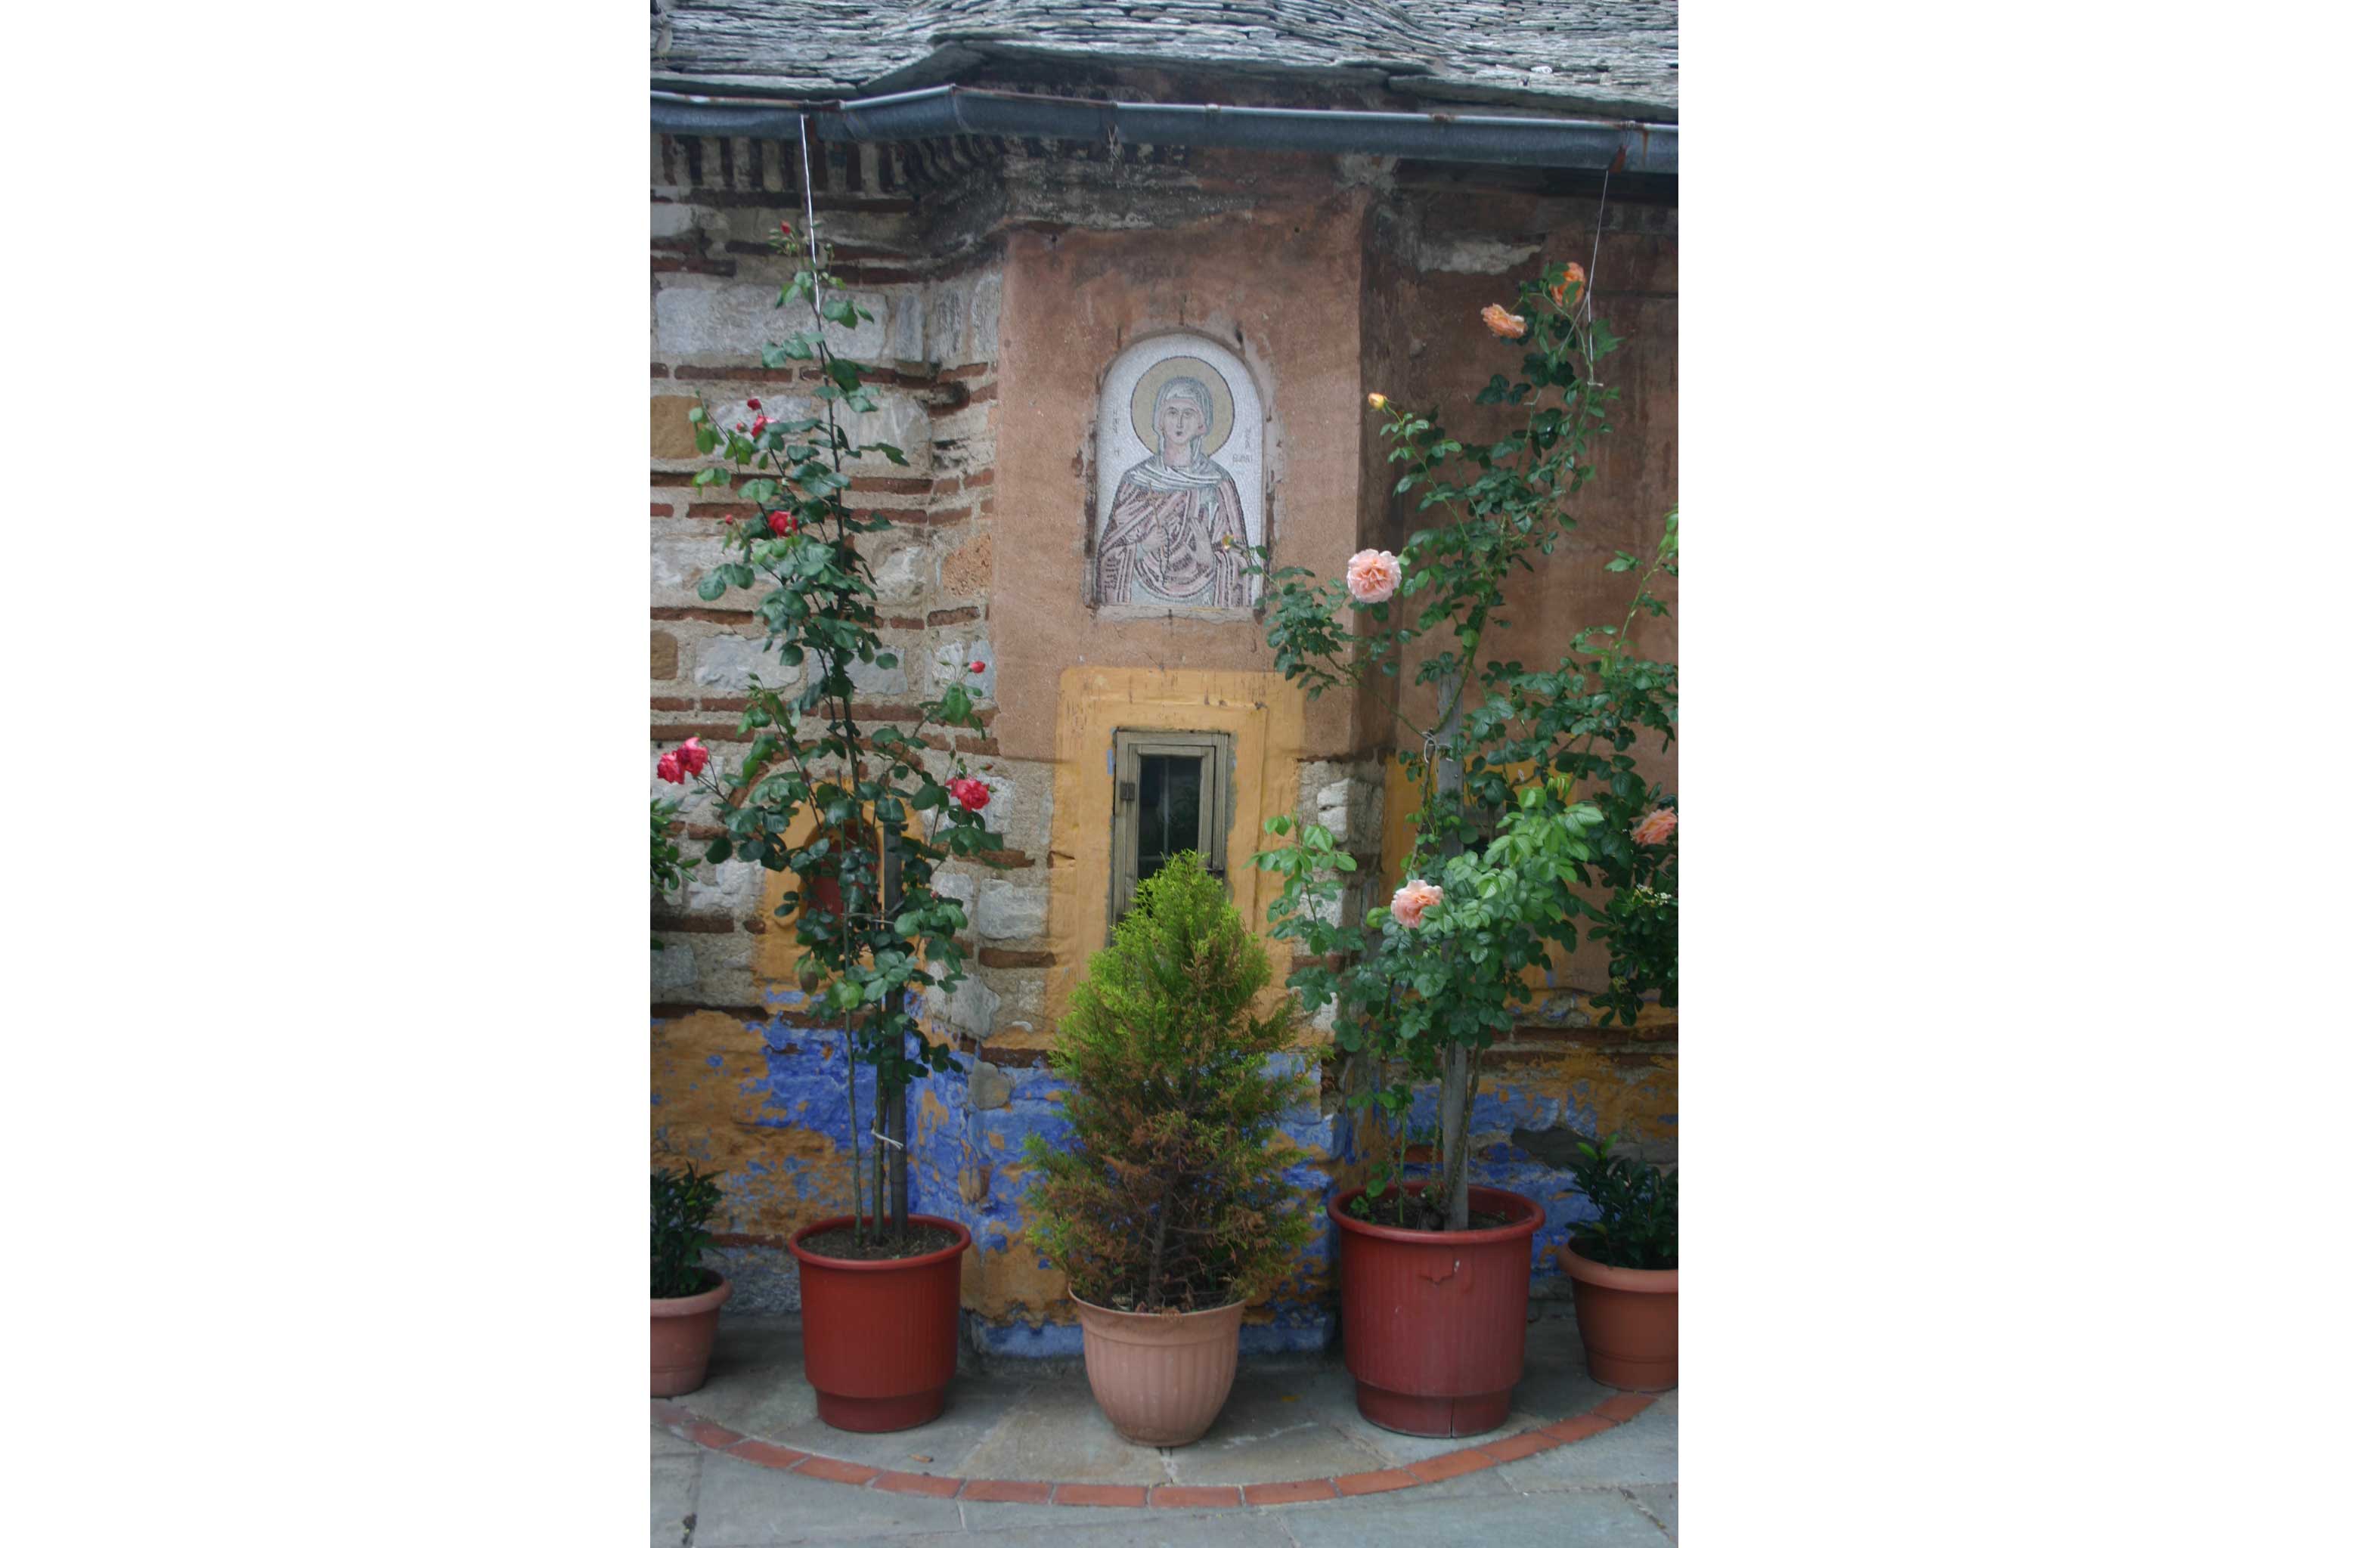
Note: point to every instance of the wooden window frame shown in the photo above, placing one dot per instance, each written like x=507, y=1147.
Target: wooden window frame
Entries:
x=1214, y=749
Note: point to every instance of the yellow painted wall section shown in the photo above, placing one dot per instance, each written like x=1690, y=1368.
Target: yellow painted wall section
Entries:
x=1266, y=719
x=723, y=1118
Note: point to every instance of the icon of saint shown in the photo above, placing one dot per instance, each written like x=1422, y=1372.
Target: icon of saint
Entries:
x=1176, y=532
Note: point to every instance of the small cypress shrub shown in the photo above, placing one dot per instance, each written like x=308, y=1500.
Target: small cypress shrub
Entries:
x=1171, y=1195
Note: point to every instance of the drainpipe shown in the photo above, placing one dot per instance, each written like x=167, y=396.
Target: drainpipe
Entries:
x=951, y=109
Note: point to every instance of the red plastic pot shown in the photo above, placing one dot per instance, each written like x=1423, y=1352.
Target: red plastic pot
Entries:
x=1627, y=1319
x=1435, y=1322
x=880, y=1338
x=684, y=1327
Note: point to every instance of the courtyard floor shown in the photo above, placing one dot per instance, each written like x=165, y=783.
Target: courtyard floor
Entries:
x=1023, y=1454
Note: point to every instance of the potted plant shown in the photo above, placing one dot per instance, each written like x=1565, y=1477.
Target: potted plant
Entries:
x=1171, y=1208
x=858, y=810
x=687, y=1296
x=1623, y=1270
x=1532, y=818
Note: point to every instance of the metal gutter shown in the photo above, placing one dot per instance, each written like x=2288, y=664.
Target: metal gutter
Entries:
x=939, y=111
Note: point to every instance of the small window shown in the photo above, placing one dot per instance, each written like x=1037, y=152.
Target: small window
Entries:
x=1171, y=792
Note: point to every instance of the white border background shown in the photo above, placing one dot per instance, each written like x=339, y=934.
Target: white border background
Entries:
x=2026, y=464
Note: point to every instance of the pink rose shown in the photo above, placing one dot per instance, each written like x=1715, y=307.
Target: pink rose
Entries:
x=668, y=769
x=974, y=794
x=1411, y=899
x=1656, y=826
x=1373, y=575
x=692, y=755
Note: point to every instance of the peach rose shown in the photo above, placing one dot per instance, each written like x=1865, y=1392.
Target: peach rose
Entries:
x=1573, y=281
x=1411, y=899
x=1502, y=322
x=1374, y=574
x=1656, y=826
x=1375, y=401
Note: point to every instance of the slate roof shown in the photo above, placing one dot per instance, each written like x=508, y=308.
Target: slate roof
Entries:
x=1617, y=57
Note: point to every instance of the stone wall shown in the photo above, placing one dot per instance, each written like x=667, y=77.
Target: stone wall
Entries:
x=1002, y=278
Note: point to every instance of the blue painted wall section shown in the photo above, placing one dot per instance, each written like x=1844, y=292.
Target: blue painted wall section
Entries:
x=786, y=1156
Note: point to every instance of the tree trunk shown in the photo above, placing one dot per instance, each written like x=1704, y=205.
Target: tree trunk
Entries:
x=1457, y=1078
x=1156, y=1253
x=859, y=1152
x=894, y=1084
x=1454, y=1088
x=876, y=1149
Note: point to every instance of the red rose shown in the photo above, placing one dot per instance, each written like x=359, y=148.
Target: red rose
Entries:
x=975, y=666
x=668, y=769
x=759, y=423
x=785, y=226
x=693, y=754
x=751, y=403
x=781, y=522
x=974, y=794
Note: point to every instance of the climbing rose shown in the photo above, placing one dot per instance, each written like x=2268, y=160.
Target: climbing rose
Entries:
x=751, y=403
x=781, y=522
x=974, y=794
x=975, y=666
x=1656, y=826
x=693, y=754
x=668, y=769
x=1573, y=281
x=1375, y=401
x=1502, y=322
x=785, y=226
x=1410, y=899
x=1373, y=575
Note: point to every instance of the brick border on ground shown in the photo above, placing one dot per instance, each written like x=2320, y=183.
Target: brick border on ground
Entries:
x=685, y=1424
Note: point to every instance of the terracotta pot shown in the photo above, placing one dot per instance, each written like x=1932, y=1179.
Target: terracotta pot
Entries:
x=1161, y=1377
x=880, y=1337
x=1435, y=1321
x=684, y=1327
x=1627, y=1319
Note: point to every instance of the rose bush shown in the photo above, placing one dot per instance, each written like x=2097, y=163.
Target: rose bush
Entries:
x=1533, y=815
x=855, y=812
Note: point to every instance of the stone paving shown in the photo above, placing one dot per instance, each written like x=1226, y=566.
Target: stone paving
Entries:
x=1044, y=1465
